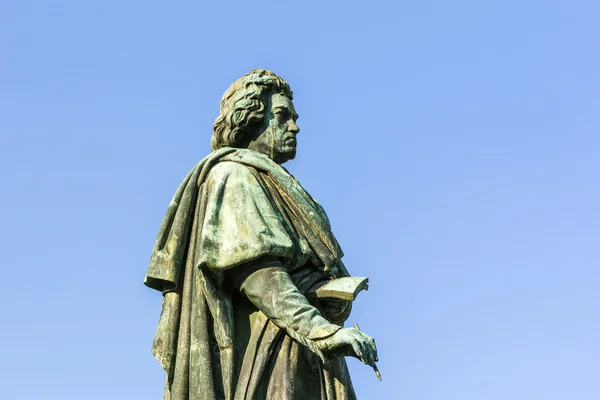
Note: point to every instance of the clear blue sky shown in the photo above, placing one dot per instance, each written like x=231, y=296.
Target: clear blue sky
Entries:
x=455, y=146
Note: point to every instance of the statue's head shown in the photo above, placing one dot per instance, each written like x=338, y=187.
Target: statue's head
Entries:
x=257, y=113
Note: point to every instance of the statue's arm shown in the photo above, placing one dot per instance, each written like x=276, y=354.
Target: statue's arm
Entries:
x=269, y=287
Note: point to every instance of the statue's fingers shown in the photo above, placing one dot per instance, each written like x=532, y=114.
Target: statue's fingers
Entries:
x=373, y=350
x=374, y=347
x=371, y=342
x=367, y=351
x=367, y=337
x=367, y=354
x=373, y=358
x=358, y=351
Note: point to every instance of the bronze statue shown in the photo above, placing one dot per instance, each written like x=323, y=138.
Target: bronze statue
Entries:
x=255, y=292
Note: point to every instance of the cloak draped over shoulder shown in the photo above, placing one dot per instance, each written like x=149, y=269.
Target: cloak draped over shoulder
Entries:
x=236, y=206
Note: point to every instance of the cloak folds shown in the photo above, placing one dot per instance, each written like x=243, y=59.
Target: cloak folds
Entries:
x=233, y=207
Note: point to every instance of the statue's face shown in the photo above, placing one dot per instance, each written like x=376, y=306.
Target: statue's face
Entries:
x=278, y=136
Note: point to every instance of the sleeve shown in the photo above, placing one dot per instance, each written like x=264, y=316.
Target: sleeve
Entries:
x=269, y=287
x=241, y=223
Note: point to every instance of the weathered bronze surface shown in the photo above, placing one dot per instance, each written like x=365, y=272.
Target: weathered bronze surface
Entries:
x=240, y=247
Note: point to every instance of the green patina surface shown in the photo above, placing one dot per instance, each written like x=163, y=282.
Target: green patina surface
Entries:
x=239, y=248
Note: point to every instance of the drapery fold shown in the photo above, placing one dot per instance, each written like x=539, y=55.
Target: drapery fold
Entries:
x=195, y=339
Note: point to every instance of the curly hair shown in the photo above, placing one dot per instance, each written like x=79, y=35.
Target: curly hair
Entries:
x=243, y=106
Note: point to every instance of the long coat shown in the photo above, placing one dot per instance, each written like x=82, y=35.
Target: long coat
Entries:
x=233, y=207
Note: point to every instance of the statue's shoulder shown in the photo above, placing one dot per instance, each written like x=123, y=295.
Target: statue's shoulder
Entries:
x=227, y=170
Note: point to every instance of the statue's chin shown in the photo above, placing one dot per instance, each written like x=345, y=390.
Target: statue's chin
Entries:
x=288, y=154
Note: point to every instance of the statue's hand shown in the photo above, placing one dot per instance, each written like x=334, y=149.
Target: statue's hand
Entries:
x=350, y=342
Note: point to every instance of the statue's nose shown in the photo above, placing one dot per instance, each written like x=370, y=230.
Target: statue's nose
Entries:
x=293, y=128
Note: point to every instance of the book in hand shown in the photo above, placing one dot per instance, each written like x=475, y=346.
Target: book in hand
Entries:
x=346, y=288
